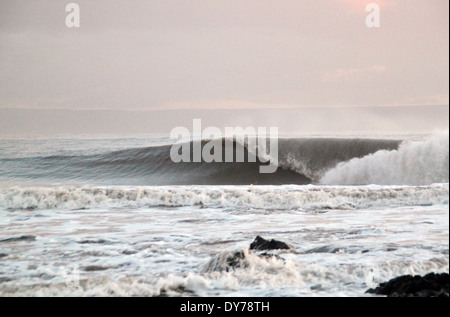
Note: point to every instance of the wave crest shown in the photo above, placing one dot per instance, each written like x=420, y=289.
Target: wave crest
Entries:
x=300, y=161
x=246, y=198
x=413, y=163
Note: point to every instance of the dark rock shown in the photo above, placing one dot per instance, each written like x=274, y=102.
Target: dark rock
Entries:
x=430, y=285
x=230, y=261
x=261, y=244
x=236, y=260
x=227, y=261
x=3, y=255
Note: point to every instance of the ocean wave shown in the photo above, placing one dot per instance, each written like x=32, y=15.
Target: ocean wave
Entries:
x=247, y=198
x=299, y=161
x=413, y=163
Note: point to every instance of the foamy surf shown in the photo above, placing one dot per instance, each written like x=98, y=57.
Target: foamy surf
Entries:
x=108, y=228
x=179, y=251
x=307, y=198
x=414, y=163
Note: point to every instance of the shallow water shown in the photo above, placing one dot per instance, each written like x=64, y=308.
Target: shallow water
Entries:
x=150, y=251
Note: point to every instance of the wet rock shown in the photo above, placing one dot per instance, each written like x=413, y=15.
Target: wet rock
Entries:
x=260, y=244
x=236, y=260
x=430, y=285
x=227, y=261
x=231, y=260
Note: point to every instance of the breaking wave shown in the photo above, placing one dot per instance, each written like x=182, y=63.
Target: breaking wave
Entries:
x=299, y=161
x=413, y=163
x=324, y=161
x=309, y=198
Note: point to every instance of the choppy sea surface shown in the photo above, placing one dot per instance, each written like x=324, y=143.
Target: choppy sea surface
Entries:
x=114, y=216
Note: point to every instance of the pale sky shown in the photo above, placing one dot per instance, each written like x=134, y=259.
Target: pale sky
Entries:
x=282, y=55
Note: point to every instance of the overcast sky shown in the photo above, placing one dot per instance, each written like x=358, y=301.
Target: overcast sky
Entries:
x=215, y=54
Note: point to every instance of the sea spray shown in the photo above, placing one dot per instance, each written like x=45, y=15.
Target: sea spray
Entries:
x=414, y=163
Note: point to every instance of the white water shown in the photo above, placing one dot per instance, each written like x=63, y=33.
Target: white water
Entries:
x=243, y=198
x=414, y=163
x=70, y=240
x=145, y=250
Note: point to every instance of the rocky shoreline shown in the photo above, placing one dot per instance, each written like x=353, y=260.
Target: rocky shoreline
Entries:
x=430, y=285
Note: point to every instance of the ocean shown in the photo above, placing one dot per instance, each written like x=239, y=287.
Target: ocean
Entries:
x=114, y=216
